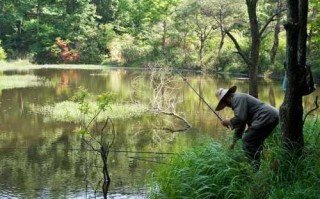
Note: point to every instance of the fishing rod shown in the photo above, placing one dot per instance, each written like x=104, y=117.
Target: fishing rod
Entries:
x=185, y=80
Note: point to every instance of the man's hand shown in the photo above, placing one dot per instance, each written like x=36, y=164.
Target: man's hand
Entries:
x=226, y=123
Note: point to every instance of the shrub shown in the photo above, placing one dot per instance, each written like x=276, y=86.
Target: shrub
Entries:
x=3, y=54
x=126, y=49
x=90, y=53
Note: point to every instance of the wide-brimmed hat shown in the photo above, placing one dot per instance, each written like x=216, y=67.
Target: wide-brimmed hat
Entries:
x=221, y=93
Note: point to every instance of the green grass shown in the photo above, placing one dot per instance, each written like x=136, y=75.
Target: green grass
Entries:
x=213, y=171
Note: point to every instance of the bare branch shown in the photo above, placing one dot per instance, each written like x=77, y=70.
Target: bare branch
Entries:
x=188, y=125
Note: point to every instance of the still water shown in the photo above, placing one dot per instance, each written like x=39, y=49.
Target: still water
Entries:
x=40, y=154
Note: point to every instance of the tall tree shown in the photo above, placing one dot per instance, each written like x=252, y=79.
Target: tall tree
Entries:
x=274, y=49
x=314, y=33
x=106, y=9
x=252, y=58
x=291, y=111
x=200, y=21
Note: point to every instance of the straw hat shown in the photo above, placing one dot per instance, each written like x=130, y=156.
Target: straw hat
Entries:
x=221, y=93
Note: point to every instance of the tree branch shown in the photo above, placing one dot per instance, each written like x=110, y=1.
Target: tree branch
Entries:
x=315, y=108
x=269, y=21
x=238, y=47
x=187, y=126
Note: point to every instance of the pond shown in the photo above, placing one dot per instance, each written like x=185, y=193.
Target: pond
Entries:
x=40, y=150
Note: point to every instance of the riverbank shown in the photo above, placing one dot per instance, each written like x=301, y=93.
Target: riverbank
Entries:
x=26, y=65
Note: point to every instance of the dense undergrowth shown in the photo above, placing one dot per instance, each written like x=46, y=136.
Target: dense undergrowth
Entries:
x=213, y=171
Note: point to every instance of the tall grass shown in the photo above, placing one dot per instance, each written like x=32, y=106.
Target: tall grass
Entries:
x=213, y=171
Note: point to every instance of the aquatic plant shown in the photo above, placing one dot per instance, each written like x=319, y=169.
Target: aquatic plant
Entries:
x=21, y=81
x=68, y=111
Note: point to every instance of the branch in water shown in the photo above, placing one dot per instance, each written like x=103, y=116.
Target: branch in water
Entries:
x=187, y=124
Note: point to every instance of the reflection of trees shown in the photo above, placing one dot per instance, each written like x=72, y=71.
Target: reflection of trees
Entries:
x=271, y=96
x=165, y=100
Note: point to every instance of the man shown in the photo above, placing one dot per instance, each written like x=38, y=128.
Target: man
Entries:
x=260, y=118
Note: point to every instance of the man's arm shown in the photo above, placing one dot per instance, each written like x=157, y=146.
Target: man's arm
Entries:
x=238, y=132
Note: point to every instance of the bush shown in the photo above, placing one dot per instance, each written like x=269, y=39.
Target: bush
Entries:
x=90, y=54
x=126, y=49
x=3, y=54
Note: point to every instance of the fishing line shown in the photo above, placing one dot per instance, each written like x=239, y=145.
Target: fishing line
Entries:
x=185, y=80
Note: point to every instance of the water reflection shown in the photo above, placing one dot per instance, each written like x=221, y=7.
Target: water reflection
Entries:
x=42, y=158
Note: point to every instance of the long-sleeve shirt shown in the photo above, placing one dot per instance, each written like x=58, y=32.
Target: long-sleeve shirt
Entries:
x=251, y=111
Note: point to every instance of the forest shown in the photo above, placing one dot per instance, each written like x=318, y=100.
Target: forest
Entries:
x=211, y=35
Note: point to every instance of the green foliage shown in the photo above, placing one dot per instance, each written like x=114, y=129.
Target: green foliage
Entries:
x=159, y=32
x=104, y=101
x=3, y=54
x=127, y=49
x=211, y=171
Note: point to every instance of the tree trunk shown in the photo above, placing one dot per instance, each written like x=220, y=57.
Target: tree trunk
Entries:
x=313, y=17
x=222, y=33
x=2, y=12
x=185, y=48
x=291, y=111
x=255, y=47
x=164, y=35
x=275, y=45
x=201, y=50
x=2, y=9
x=302, y=41
x=38, y=15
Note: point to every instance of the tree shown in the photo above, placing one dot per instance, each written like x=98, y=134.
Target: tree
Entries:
x=314, y=30
x=106, y=9
x=3, y=54
x=252, y=58
x=274, y=49
x=225, y=13
x=202, y=23
x=291, y=110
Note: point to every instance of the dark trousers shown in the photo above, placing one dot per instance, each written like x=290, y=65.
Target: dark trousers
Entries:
x=253, y=140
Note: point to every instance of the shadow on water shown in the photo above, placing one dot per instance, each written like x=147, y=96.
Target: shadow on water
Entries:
x=40, y=157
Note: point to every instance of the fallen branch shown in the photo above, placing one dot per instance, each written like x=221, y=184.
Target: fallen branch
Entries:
x=187, y=124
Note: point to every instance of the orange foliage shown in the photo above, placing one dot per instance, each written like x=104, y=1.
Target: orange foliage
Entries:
x=67, y=56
